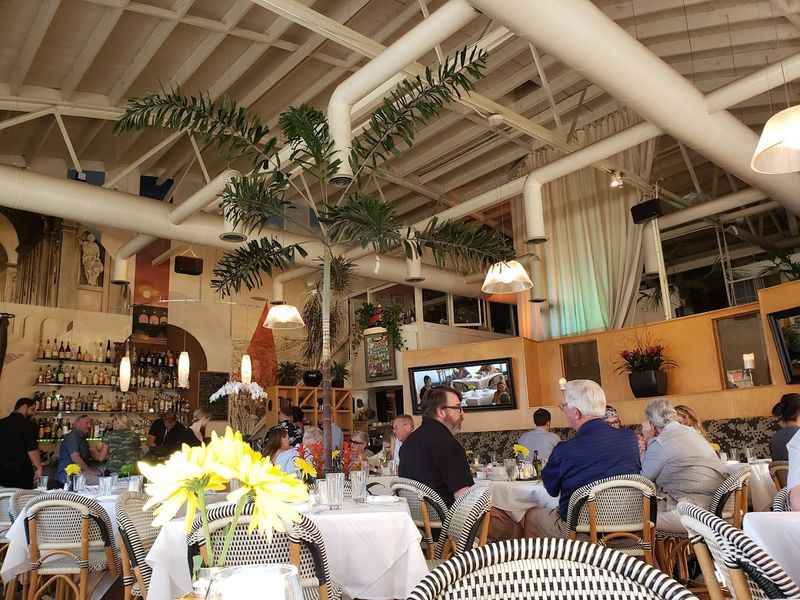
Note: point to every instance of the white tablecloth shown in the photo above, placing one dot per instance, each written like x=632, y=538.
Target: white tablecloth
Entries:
x=515, y=497
x=373, y=551
x=779, y=535
x=762, y=488
x=17, y=556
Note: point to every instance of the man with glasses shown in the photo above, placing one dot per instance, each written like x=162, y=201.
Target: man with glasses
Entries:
x=431, y=454
x=596, y=451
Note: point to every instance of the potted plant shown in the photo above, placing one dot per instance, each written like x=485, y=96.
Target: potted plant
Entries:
x=289, y=373
x=645, y=365
x=339, y=372
x=312, y=377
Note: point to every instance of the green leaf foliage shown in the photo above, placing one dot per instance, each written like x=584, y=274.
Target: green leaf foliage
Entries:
x=466, y=246
x=306, y=131
x=251, y=201
x=246, y=264
x=364, y=220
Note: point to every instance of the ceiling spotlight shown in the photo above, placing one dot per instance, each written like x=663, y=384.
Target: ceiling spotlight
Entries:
x=616, y=180
x=496, y=120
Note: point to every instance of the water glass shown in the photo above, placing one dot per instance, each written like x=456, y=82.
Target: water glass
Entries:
x=511, y=468
x=80, y=483
x=282, y=582
x=43, y=480
x=358, y=485
x=749, y=455
x=114, y=480
x=106, y=485
x=135, y=483
x=335, y=483
x=321, y=487
x=723, y=456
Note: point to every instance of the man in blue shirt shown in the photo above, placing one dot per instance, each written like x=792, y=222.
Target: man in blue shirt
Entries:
x=596, y=451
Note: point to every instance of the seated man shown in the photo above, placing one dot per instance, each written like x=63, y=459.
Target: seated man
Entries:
x=540, y=439
x=431, y=454
x=76, y=450
x=596, y=451
x=680, y=461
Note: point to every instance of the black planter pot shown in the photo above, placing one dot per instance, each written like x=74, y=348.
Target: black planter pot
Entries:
x=337, y=383
x=645, y=384
x=312, y=378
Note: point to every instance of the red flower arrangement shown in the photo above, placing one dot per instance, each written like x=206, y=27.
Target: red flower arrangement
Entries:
x=316, y=455
x=646, y=355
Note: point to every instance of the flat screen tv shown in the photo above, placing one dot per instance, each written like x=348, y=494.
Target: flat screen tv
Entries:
x=484, y=384
x=785, y=327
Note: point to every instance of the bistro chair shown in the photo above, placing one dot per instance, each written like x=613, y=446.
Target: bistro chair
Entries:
x=467, y=524
x=619, y=512
x=779, y=471
x=780, y=503
x=6, y=497
x=301, y=545
x=20, y=500
x=428, y=510
x=544, y=568
x=69, y=537
x=746, y=570
x=137, y=536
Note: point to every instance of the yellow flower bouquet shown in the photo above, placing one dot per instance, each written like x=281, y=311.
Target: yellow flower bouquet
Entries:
x=520, y=450
x=191, y=472
x=72, y=469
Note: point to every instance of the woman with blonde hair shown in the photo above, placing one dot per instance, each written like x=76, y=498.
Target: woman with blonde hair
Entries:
x=124, y=445
x=686, y=416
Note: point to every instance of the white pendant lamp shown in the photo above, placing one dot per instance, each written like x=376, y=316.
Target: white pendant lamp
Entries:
x=284, y=316
x=125, y=374
x=183, y=370
x=246, y=370
x=414, y=267
x=778, y=149
x=230, y=232
x=506, y=277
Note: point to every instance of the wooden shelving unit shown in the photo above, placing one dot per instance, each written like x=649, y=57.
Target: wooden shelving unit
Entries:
x=310, y=400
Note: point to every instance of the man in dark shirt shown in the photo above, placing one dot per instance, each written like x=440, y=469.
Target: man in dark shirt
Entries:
x=20, y=463
x=167, y=435
x=431, y=454
x=596, y=451
x=75, y=449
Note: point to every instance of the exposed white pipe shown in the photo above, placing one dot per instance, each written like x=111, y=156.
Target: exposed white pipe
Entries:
x=611, y=58
x=752, y=85
x=707, y=209
x=438, y=27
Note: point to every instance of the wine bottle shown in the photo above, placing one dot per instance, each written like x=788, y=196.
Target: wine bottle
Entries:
x=68, y=352
x=108, y=351
x=48, y=350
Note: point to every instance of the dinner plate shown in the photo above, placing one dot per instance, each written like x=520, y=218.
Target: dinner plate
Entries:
x=382, y=499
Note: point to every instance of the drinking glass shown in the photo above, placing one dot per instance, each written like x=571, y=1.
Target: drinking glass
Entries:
x=80, y=483
x=358, y=485
x=281, y=582
x=723, y=456
x=43, y=480
x=749, y=454
x=114, y=480
x=322, y=491
x=106, y=485
x=135, y=483
x=335, y=483
x=511, y=468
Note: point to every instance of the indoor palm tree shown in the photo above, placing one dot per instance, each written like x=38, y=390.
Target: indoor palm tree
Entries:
x=266, y=192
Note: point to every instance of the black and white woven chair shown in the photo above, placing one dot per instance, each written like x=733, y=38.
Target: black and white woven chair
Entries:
x=544, y=568
x=618, y=511
x=730, y=500
x=779, y=471
x=746, y=570
x=137, y=536
x=428, y=510
x=466, y=525
x=69, y=536
x=20, y=501
x=302, y=545
x=6, y=496
x=780, y=503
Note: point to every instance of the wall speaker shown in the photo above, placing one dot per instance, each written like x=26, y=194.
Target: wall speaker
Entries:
x=188, y=265
x=647, y=210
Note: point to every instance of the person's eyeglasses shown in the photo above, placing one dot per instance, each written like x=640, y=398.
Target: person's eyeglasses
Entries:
x=357, y=443
x=458, y=408
x=563, y=406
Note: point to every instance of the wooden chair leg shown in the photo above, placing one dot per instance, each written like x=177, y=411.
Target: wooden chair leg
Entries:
x=707, y=568
x=33, y=583
x=10, y=590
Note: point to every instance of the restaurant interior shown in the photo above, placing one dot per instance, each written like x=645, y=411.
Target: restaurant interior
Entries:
x=286, y=285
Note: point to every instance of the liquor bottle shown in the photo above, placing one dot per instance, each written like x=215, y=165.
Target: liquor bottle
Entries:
x=60, y=375
x=114, y=378
x=163, y=319
x=79, y=354
x=47, y=351
x=68, y=352
x=60, y=351
x=108, y=351
x=537, y=464
x=40, y=349
x=144, y=316
x=154, y=318
x=40, y=377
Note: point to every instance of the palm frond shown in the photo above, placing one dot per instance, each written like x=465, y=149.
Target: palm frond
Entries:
x=341, y=273
x=223, y=123
x=414, y=102
x=307, y=133
x=364, y=220
x=252, y=201
x=246, y=264
x=312, y=317
x=465, y=246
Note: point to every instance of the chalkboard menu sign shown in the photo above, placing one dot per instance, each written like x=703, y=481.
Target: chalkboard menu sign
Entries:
x=379, y=357
x=210, y=382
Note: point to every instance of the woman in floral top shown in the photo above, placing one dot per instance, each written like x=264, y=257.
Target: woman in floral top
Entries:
x=124, y=445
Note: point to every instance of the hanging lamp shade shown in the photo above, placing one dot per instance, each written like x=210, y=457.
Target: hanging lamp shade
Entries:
x=506, y=277
x=183, y=370
x=231, y=232
x=414, y=267
x=649, y=240
x=538, y=292
x=119, y=273
x=778, y=149
x=125, y=374
x=246, y=370
x=284, y=316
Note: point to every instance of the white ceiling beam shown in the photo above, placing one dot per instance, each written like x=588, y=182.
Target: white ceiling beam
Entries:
x=33, y=40
x=160, y=147
x=545, y=84
x=68, y=142
x=100, y=34
x=690, y=167
x=24, y=118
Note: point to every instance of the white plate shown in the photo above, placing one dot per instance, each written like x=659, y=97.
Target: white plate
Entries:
x=382, y=499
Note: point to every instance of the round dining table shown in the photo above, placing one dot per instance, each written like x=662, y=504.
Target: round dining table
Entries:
x=778, y=534
x=373, y=551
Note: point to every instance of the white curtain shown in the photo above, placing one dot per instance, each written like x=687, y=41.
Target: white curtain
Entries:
x=593, y=256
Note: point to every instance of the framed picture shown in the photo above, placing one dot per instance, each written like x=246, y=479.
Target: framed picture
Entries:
x=785, y=326
x=379, y=357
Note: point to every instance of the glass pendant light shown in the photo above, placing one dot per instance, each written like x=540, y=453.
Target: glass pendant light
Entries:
x=778, y=149
x=284, y=316
x=246, y=370
x=506, y=277
x=183, y=370
x=125, y=373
